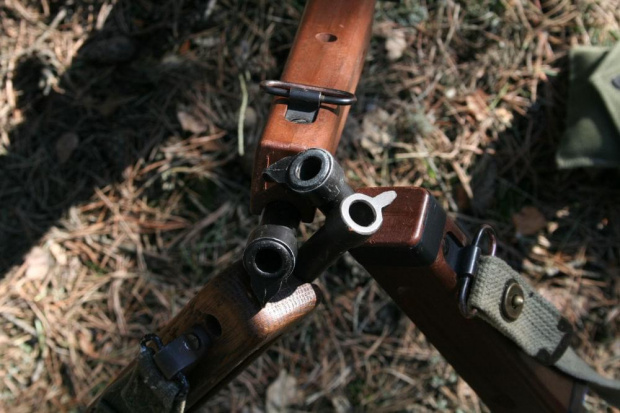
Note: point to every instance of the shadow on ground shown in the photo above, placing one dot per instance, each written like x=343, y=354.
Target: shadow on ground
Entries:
x=115, y=104
x=563, y=214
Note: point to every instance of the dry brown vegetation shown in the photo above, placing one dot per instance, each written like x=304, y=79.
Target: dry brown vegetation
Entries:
x=121, y=191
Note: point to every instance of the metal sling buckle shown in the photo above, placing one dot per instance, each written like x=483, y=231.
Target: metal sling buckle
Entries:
x=178, y=355
x=305, y=100
x=468, y=265
x=179, y=376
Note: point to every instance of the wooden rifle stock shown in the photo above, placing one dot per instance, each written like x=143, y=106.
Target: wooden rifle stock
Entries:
x=246, y=328
x=408, y=259
x=407, y=256
x=328, y=52
x=242, y=329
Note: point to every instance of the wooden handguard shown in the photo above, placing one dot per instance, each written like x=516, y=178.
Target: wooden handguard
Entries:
x=240, y=327
x=328, y=52
x=246, y=327
x=406, y=257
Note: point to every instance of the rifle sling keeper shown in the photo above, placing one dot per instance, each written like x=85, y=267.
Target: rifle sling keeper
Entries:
x=539, y=329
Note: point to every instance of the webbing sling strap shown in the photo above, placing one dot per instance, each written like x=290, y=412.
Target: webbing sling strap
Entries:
x=540, y=330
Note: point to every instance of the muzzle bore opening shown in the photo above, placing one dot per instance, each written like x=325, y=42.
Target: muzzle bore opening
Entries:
x=309, y=168
x=268, y=260
x=362, y=213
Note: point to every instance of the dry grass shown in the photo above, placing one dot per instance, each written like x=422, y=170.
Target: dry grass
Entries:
x=121, y=192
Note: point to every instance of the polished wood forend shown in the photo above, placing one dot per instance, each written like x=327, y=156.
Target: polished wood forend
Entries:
x=328, y=51
x=505, y=378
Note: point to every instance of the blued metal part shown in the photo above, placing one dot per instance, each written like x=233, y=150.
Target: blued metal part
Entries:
x=303, y=105
x=281, y=213
x=417, y=249
x=327, y=95
x=356, y=218
x=270, y=252
x=467, y=265
x=143, y=388
x=502, y=376
x=468, y=261
x=269, y=258
x=314, y=175
x=182, y=352
x=274, y=244
x=451, y=250
x=513, y=301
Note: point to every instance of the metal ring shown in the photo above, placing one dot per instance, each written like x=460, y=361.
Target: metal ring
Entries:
x=463, y=295
x=467, y=280
x=331, y=96
x=490, y=232
x=181, y=378
x=151, y=337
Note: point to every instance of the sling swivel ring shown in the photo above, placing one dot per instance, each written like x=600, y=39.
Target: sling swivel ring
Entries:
x=468, y=265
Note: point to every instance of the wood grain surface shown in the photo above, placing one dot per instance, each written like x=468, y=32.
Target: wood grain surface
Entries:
x=328, y=51
x=505, y=378
x=245, y=327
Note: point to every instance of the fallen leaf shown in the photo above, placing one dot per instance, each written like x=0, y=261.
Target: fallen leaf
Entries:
x=528, y=221
x=377, y=131
x=552, y=227
x=477, y=105
x=504, y=116
x=184, y=48
x=86, y=344
x=544, y=241
x=395, y=45
x=192, y=123
x=341, y=404
x=282, y=393
x=37, y=263
x=65, y=145
x=58, y=253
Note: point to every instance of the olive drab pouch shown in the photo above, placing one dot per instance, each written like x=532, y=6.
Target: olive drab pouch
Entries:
x=592, y=137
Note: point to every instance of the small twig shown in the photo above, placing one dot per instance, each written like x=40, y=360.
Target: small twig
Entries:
x=242, y=109
x=53, y=25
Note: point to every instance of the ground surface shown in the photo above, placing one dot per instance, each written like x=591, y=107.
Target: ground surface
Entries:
x=121, y=191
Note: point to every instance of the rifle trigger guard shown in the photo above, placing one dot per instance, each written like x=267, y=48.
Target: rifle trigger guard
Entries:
x=467, y=266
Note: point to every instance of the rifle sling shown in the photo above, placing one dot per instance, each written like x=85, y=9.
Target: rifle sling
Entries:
x=539, y=330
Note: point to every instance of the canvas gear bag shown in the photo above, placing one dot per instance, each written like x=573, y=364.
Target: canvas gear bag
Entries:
x=592, y=136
